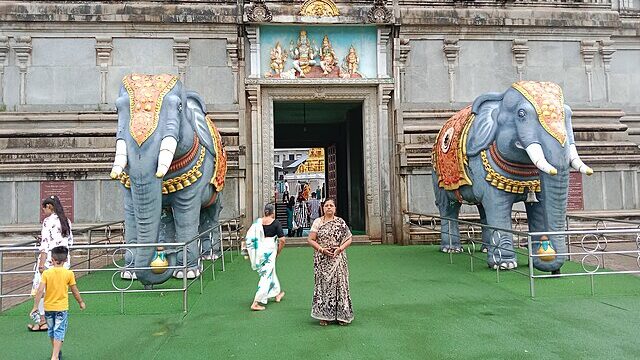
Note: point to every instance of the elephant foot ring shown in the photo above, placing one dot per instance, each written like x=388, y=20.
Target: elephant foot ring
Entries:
x=453, y=249
x=505, y=265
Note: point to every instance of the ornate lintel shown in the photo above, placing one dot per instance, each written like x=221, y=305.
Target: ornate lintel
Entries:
x=104, y=46
x=232, y=53
x=319, y=8
x=23, y=49
x=4, y=50
x=519, y=48
x=588, y=50
x=259, y=12
x=379, y=13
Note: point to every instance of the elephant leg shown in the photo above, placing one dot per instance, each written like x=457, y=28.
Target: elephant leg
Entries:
x=535, y=219
x=500, y=252
x=130, y=236
x=486, y=234
x=210, y=219
x=449, y=230
x=187, y=219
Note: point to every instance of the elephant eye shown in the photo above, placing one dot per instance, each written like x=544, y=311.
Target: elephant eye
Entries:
x=522, y=113
x=179, y=107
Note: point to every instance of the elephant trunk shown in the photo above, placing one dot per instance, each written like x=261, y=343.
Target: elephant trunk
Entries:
x=147, y=200
x=553, y=199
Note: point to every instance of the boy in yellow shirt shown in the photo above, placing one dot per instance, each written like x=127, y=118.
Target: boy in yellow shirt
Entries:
x=57, y=281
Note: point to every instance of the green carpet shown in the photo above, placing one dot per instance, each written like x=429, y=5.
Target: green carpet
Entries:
x=409, y=303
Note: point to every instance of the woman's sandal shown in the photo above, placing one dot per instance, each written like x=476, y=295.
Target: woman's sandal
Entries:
x=38, y=327
x=324, y=323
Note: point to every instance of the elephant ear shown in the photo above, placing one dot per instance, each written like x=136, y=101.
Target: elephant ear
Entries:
x=196, y=111
x=567, y=122
x=483, y=129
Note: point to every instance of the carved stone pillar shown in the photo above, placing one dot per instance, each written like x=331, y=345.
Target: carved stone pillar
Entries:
x=606, y=51
x=181, y=48
x=4, y=51
x=382, y=47
x=386, y=146
x=258, y=199
x=23, y=49
x=232, y=61
x=588, y=50
x=451, y=50
x=104, y=46
x=520, y=50
x=253, y=34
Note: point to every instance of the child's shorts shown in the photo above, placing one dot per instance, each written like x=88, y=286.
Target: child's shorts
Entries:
x=57, y=324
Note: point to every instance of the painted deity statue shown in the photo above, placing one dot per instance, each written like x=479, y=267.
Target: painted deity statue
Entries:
x=351, y=61
x=303, y=54
x=327, y=56
x=278, y=59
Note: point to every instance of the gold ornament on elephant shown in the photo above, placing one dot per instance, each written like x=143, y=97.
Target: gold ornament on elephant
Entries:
x=502, y=182
x=160, y=263
x=145, y=101
x=177, y=183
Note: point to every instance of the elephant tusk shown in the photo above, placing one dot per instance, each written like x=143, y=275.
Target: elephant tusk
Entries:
x=120, y=161
x=167, y=149
x=576, y=162
x=537, y=157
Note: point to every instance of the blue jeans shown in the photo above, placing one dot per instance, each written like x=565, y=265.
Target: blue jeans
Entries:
x=57, y=324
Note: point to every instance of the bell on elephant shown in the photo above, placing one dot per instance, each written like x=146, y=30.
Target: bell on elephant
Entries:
x=531, y=196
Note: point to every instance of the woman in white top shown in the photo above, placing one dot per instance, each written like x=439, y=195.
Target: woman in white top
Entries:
x=56, y=231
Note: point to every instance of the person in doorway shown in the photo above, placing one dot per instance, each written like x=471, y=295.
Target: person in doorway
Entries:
x=330, y=237
x=314, y=208
x=291, y=204
x=56, y=231
x=319, y=193
x=265, y=241
x=301, y=215
x=56, y=281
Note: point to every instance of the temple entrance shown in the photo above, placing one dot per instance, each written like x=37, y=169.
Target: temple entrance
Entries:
x=319, y=149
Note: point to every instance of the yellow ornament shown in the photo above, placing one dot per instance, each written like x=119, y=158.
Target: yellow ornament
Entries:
x=160, y=263
x=546, y=250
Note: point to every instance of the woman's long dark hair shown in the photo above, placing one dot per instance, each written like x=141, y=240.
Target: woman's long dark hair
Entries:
x=292, y=203
x=59, y=210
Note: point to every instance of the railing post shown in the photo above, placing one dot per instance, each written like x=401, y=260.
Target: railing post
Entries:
x=530, y=250
x=222, y=249
x=184, y=277
x=89, y=254
x=1, y=271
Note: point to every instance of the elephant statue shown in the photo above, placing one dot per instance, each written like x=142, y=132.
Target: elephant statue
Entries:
x=172, y=165
x=506, y=148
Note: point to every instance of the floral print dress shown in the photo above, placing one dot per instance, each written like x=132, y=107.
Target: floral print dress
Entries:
x=331, y=298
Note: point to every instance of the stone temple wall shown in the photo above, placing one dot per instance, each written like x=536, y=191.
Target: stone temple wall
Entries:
x=61, y=64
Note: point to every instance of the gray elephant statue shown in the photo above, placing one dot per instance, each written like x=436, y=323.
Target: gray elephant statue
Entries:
x=506, y=148
x=172, y=165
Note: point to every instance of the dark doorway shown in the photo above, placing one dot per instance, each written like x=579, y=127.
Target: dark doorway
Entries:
x=337, y=128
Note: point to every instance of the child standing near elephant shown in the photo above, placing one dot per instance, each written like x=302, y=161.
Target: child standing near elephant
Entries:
x=57, y=281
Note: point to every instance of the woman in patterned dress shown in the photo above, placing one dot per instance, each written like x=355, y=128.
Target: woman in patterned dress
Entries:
x=330, y=237
x=56, y=231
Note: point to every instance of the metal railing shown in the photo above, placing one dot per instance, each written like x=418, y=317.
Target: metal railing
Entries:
x=589, y=244
x=111, y=246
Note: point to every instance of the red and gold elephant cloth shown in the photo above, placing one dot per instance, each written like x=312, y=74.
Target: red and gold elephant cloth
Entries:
x=145, y=97
x=546, y=97
x=220, y=171
x=449, y=151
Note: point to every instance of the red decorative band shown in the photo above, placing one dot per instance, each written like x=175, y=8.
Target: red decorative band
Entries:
x=510, y=167
x=186, y=159
x=212, y=200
